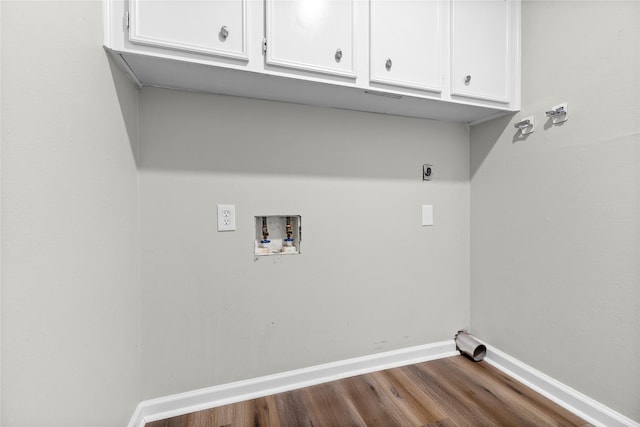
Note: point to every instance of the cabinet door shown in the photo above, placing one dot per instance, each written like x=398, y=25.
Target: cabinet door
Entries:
x=207, y=27
x=406, y=46
x=311, y=35
x=481, y=32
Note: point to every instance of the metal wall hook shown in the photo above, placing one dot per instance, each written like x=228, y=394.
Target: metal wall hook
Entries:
x=558, y=113
x=526, y=125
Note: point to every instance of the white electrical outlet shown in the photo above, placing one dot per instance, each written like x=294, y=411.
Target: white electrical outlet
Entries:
x=226, y=217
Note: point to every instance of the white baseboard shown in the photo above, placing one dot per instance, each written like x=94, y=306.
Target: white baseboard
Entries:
x=576, y=402
x=198, y=400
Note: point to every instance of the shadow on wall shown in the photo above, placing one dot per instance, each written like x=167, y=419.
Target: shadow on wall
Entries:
x=195, y=132
x=127, y=93
x=485, y=136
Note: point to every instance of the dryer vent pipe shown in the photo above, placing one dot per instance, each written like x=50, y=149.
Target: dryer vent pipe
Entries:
x=469, y=346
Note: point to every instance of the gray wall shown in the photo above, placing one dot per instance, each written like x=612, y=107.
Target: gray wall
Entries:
x=555, y=229
x=370, y=277
x=555, y=246
x=70, y=288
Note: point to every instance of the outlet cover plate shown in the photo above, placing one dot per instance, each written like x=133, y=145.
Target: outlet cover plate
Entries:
x=226, y=217
x=427, y=172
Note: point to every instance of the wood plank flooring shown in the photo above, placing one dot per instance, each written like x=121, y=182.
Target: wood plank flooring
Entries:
x=447, y=392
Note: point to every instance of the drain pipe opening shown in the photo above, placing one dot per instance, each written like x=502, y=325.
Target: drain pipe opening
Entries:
x=470, y=347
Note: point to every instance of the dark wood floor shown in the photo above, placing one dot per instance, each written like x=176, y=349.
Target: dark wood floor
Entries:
x=447, y=392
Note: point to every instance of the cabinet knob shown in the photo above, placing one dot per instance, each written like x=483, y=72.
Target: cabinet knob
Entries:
x=467, y=79
x=338, y=55
x=224, y=33
x=388, y=64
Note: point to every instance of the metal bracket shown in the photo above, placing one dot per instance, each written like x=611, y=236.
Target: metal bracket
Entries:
x=558, y=113
x=526, y=125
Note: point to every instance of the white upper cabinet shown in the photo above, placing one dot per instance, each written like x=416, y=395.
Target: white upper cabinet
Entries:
x=481, y=45
x=215, y=28
x=311, y=35
x=455, y=60
x=406, y=43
